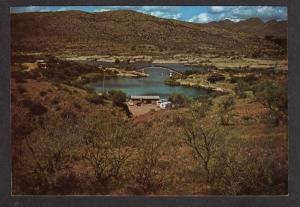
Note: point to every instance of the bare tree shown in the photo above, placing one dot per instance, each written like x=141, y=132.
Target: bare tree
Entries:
x=51, y=153
x=147, y=176
x=204, y=143
x=106, y=148
x=226, y=107
x=202, y=139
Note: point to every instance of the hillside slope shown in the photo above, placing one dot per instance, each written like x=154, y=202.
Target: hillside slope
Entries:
x=127, y=32
x=255, y=26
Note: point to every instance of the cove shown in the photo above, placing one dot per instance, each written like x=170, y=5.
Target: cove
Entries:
x=151, y=85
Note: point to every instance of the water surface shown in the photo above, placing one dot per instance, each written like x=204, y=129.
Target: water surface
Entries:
x=151, y=85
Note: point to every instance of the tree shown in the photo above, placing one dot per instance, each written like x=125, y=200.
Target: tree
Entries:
x=226, y=107
x=105, y=142
x=274, y=97
x=199, y=110
x=51, y=153
x=117, y=61
x=200, y=137
x=178, y=99
x=249, y=167
x=241, y=87
x=118, y=98
x=204, y=143
x=146, y=176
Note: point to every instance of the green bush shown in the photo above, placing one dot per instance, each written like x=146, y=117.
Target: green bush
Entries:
x=118, y=97
x=273, y=96
x=241, y=88
x=226, y=107
x=179, y=99
x=117, y=60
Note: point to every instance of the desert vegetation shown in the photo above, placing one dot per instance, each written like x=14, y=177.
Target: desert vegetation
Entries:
x=67, y=139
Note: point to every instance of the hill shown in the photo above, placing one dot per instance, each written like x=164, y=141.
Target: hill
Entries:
x=255, y=26
x=129, y=32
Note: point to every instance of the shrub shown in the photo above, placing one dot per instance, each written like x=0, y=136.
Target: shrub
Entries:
x=274, y=97
x=204, y=142
x=35, y=108
x=216, y=77
x=68, y=115
x=55, y=101
x=38, y=109
x=105, y=151
x=27, y=103
x=43, y=93
x=50, y=152
x=95, y=99
x=179, y=99
x=20, y=80
x=117, y=61
x=77, y=105
x=118, y=97
x=241, y=88
x=226, y=107
x=21, y=89
x=146, y=175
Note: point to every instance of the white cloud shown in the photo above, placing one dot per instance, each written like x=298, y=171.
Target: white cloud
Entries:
x=101, y=10
x=201, y=18
x=168, y=12
x=29, y=9
x=238, y=13
x=217, y=9
x=62, y=9
x=165, y=15
x=263, y=12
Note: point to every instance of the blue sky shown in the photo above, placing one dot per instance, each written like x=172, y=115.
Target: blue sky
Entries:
x=199, y=14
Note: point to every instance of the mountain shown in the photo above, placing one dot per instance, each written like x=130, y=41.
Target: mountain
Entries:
x=130, y=32
x=255, y=26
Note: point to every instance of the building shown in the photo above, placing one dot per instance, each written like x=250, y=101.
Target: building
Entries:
x=42, y=64
x=144, y=99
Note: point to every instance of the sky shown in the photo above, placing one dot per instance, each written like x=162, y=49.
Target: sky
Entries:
x=198, y=14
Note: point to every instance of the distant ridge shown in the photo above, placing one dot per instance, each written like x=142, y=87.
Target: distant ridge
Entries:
x=254, y=26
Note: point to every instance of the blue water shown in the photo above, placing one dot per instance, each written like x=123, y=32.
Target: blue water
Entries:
x=151, y=85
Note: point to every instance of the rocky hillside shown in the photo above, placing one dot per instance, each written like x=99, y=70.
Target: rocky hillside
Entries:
x=255, y=26
x=129, y=32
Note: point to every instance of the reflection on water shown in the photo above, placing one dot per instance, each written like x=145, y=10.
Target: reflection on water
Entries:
x=151, y=85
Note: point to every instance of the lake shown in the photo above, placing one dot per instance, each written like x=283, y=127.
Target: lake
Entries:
x=151, y=85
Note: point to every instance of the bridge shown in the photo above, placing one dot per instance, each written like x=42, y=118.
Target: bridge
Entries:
x=160, y=66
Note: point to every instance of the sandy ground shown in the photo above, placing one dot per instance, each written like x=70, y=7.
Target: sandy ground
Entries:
x=143, y=109
x=30, y=66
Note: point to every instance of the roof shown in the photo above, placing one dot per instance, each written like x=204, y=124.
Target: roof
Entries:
x=166, y=102
x=145, y=97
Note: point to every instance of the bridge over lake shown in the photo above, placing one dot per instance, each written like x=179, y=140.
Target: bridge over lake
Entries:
x=161, y=67
x=178, y=68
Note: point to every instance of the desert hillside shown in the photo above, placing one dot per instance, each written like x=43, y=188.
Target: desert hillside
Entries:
x=129, y=32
